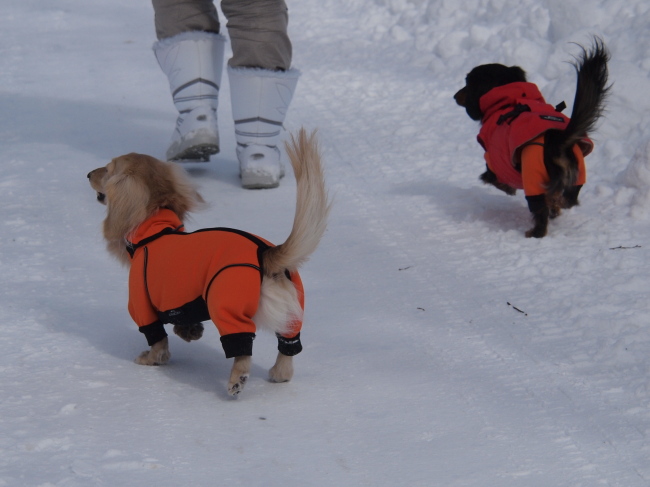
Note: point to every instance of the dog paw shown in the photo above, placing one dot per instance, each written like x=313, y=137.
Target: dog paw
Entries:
x=282, y=371
x=147, y=358
x=536, y=233
x=158, y=354
x=235, y=388
x=488, y=177
x=279, y=376
x=144, y=359
x=189, y=333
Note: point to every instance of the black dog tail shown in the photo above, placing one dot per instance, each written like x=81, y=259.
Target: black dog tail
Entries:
x=588, y=106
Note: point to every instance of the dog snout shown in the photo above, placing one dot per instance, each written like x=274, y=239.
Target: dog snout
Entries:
x=95, y=178
x=94, y=172
x=96, y=175
x=461, y=96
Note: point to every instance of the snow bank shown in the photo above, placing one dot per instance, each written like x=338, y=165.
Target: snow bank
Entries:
x=540, y=36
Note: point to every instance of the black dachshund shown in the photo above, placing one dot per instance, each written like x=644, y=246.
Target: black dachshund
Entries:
x=528, y=143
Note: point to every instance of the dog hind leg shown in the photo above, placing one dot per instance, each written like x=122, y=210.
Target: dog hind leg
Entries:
x=555, y=204
x=239, y=374
x=571, y=197
x=282, y=371
x=540, y=218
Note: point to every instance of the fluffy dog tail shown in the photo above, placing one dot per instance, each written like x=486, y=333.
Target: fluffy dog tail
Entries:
x=279, y=303
x=588, y=106
x=312, y=208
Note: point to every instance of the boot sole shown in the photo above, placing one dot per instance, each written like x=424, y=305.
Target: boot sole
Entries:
x=258, y=181
x=197, y=147
x=197, y=153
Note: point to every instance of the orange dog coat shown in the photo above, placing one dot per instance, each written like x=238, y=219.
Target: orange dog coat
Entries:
x=186, y=278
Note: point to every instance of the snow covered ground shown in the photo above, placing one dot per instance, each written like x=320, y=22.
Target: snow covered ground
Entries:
x=442, y=348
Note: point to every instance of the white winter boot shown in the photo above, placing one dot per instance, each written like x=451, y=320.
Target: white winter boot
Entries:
x=260, y=99
x=193, y=63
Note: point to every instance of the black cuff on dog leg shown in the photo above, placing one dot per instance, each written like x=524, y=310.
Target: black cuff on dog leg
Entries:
x=289, y=346
x=238, y=344
x=536, y=203
x=154, y=332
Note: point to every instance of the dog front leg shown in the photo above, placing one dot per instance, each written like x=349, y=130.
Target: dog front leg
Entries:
x=282, y=371
x=241, y=368
x=189, y=332
x=540, y=218
x=488, y=177
x=158, y=354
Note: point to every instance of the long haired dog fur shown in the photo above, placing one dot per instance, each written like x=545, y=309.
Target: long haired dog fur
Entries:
x=238, y=280
x=529, y=144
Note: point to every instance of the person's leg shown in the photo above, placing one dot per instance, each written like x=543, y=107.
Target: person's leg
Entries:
x=173, y=17
x=258, y=32
x=262, y=84
x=190, y=52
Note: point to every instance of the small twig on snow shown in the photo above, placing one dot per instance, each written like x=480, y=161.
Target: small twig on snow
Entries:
x=620, y=247
x=517, y=309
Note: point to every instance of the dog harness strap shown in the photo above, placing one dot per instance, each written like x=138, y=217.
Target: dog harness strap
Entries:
x=513, y=114
x=131, y=247
x=262, y=246
x=207, y=289
x=260, y=243
x=144, y=276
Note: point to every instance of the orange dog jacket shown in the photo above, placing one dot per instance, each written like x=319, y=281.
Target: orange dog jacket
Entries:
x=186, y=278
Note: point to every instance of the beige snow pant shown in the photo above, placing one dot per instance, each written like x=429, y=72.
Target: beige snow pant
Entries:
x=257, y=28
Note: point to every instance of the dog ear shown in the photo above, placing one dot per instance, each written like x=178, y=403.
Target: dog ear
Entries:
x=126, y=200
x=517, y=74
x=183, y=198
